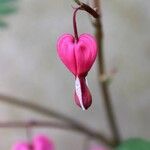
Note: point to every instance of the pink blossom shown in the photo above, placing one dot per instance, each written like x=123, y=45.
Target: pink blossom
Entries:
x=78, y=57
x=21, y=146
x=40, y=142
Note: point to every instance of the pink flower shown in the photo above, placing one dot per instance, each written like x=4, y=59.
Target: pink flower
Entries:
x=78, y=57
x=40, y=142
x=21, y=146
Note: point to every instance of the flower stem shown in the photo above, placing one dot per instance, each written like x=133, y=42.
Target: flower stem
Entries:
x=104, y=85
x=82, y=6
x=72, y=124
x=75, y=24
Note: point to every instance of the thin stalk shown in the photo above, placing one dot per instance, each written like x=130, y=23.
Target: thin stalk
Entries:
x=86, y=8
x=20, y=103
x=75, y=24
x=104, y=85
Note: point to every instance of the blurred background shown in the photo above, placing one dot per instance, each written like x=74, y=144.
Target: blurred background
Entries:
x=30, y=68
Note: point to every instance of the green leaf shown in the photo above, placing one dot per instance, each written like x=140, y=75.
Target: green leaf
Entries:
x=134, y=144
x=7, y=9
x=6, y=1
x=3, y=24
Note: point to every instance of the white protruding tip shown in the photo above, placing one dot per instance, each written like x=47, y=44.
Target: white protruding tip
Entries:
x=86, y=82
x=79, y=92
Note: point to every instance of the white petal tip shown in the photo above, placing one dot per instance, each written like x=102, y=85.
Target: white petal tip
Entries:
x=79, y=92
x=83, y=108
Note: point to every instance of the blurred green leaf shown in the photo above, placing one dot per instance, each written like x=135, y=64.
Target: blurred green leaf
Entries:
x=134, y=144
x=7, y=9
x=6, y=1
x=3, y=24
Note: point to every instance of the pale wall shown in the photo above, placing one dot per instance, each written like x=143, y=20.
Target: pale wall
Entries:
x=30, y=68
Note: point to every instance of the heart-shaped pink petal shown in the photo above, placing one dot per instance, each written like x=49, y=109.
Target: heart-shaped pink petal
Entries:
x=77, y=56
x=85, y=53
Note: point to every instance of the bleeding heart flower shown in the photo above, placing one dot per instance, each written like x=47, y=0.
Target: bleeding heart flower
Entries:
x=40, y=142
x=78, y=57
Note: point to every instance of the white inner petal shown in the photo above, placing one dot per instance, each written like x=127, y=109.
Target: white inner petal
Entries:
x=86, y=82
x=79, y=92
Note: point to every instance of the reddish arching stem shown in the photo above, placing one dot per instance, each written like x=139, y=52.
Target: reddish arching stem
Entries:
x=72, y=124
x=31, y=124
x=75, y=24
x=87, y=9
